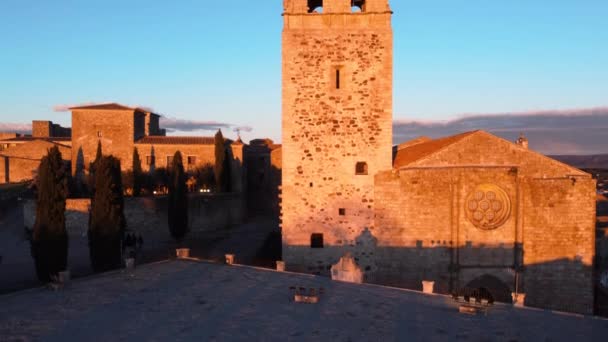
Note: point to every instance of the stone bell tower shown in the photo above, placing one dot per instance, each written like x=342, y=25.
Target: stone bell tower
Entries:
x=337, y=126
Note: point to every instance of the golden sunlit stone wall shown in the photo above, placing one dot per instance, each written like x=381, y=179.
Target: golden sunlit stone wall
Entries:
x=559, y=243
x=328, y=129
x=482, y=148
x=116, y=129
x=21, y=162
x=205, y=154
x=425, y=231
x=42, y=129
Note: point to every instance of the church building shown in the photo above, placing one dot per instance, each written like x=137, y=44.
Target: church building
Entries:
x=466, y=211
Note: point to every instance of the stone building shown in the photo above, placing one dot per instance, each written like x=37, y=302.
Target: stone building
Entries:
x=20, y=155
x=471, y=210
x=263, y=162
x=337, y=117
x=120, y=130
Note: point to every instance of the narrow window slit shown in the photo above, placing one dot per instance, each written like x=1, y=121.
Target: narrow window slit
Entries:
x=337, y=78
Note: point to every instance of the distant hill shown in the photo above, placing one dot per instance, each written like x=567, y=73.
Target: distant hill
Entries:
x=596, y=161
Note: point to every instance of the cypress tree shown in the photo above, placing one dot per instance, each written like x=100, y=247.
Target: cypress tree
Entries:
x=137, y=173
x=49, y=244
x=220, y=157
x=92, y=168
x=178, y=199
x=107, y=222
x=226, y=176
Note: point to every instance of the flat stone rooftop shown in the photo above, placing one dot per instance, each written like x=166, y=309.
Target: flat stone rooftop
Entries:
x=198, y=301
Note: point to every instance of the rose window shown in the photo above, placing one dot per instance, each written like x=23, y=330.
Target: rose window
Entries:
x=488, y=206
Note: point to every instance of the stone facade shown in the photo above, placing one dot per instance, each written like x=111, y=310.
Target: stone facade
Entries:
x=20, y=163
x=47, y=129
x=116, y=127
x=337, y=114
x=471, y=210
x=120, y=130
x=543, y=245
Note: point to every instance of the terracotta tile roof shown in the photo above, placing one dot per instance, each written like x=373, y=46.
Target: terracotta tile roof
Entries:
x=30, y=138
x=35, y=149
x=408, y=155
x=163, y=140
x=105, y=106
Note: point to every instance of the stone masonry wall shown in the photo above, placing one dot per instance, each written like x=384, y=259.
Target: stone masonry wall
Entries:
x=482, y=148
x=424, y=234
x=328, y=129
x=3, y=169
x=42, y=129
x=559, y=243
x=148, y=215
x=117, y=130
x=204, y=154
x=21, y=162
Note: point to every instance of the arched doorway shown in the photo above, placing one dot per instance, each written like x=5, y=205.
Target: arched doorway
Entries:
x=497, y=288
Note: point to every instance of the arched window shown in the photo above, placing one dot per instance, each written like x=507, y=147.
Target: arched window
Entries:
x=315, y=6
x=358, y=6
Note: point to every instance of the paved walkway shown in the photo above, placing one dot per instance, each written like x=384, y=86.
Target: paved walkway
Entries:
x=17, y=266
x=189, y=301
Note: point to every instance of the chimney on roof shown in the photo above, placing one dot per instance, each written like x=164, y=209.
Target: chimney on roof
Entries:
x=522, y=141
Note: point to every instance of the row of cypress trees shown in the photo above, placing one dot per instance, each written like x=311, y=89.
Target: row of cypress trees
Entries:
x=137, y=179
x=107, y=223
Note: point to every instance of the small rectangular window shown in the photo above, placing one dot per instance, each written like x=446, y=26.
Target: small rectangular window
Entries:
x=342, y=211
x=169, y=161
x=149, y=160
x=191, y=160
x=361, y=168
x=316, y=240
x=337, y=78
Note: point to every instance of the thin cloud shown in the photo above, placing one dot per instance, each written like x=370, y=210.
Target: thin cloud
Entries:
x=242, y=129
x=66, y=107
x=575, y=131
x=7, y=127
x=179, y=125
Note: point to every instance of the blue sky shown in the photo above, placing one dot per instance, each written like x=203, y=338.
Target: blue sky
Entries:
x=220, y=60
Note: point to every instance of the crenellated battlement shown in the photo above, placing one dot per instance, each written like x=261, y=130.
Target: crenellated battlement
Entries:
x=300, y=7
x=337, y=14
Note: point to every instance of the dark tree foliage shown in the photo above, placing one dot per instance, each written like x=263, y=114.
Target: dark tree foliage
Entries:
x=178, y=199
x=127, y=182
x=107, y=221
x=220, y=156
x=138, y=175
x=49, y=244
x=205, y=176
x=160, y=178
x=92, y=169
x=226, y=176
